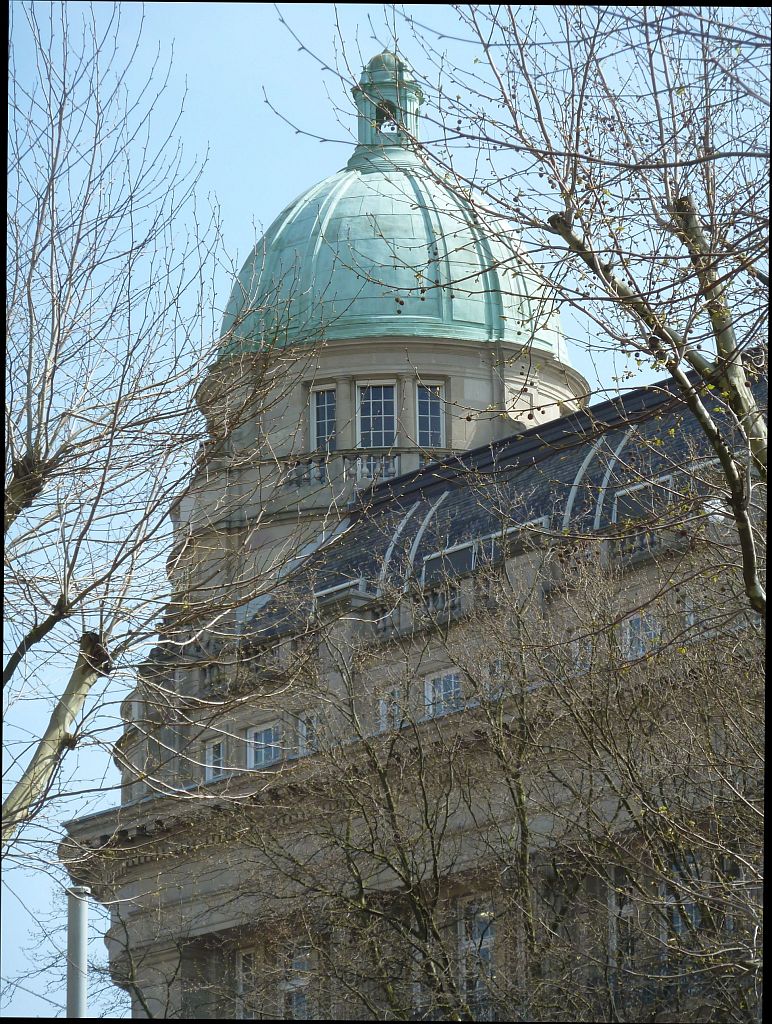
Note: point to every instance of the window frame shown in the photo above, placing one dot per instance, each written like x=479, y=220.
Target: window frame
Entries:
x=487, y=550
x=622, y=924
x=255, y=746
x=582, y=650
x=683, y=916
x=661, y=484
x=308, y=728
x=243, y=983
x=214, y=771
x=387, y=383
x=434, y=708
x=645, y=646
x=477, y=947
x=427, y=384
x=315, y=445
x=296, y=981
x=391, y=711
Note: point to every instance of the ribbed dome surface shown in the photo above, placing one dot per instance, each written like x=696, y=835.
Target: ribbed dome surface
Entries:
x=384, y=249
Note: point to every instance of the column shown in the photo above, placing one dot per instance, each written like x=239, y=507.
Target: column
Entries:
x=407, y=430
x=345, y=412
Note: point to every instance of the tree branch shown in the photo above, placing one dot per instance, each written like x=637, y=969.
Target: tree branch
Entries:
x=25, y=798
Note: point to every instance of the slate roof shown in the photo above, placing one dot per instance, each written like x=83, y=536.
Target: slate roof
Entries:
x=564, y=476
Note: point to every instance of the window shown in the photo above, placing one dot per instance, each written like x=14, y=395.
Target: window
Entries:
x=323, y=420
x=442, y=693
x=640, y=635
x=621, y=924
x=390, y=713
x=246, y=983
x=643, y=501
x=682, y=911
x=481, y=552
x=214, y=760
x=475, y=948
x=377, y=418
x=495, y=683
x=297, y=977
x=264, y=746
x=386, y=118
x=581, y=654
x=308, y=733
x=431, y=416
x=376, y=428
x=686, y=609
x=734, y=892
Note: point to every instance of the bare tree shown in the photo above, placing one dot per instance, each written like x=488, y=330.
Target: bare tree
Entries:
x=632, y=145
x=527, y=786
x=107, y=338
x=104, y=338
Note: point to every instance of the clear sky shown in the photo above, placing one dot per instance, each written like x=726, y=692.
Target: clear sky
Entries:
x=225, y=57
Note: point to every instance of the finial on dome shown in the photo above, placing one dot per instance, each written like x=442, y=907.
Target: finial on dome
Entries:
x=387, y=99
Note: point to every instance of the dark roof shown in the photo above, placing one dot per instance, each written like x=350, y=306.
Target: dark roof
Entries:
x=565, y=476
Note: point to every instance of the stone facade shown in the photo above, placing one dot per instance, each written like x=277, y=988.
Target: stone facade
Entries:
x=432, y=730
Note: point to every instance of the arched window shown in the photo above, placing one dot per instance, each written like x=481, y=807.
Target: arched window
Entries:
x=386, y=118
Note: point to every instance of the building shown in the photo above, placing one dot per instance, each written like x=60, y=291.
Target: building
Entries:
x=432, y=730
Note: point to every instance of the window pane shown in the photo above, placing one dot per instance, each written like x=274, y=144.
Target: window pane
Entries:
x=430, y=416
x=265, y=746
x=308, y=734
x=214, y=760
x=443, y=693
x=640, y=635
x=643, y=501
x=324, y=420
x=377, y=419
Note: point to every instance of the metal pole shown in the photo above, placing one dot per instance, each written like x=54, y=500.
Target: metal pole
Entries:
x=77, y=950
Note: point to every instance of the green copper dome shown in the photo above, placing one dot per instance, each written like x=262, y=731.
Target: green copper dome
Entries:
x=384, y=248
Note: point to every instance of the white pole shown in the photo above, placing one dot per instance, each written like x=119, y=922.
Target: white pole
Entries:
x=77, y=950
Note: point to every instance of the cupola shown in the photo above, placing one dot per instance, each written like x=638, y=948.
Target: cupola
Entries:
x=387, y=99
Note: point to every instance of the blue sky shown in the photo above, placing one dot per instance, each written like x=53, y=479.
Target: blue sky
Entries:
x=225, y=57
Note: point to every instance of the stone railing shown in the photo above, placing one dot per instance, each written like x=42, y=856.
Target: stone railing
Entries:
x=647, y=543
x=361, y=467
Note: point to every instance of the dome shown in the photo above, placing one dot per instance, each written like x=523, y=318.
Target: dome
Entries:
x=386, y=61
x=384, y=248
